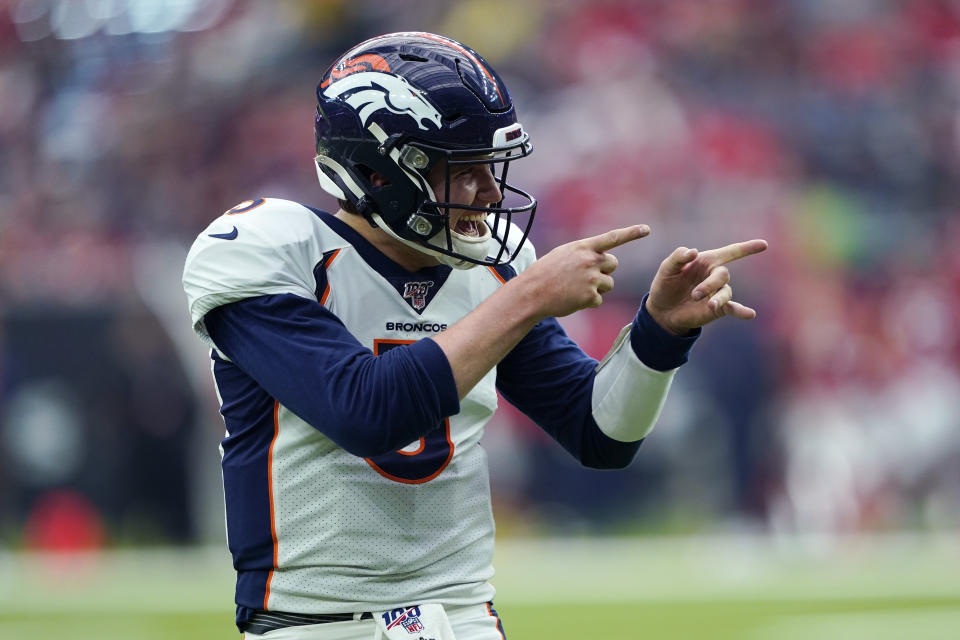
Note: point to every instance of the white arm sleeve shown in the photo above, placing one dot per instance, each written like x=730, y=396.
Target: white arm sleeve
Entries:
x=627, y=394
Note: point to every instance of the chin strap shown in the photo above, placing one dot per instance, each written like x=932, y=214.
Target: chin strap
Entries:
x=475, y=248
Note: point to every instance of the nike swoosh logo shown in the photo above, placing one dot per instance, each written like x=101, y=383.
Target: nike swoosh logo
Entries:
x=225, y=236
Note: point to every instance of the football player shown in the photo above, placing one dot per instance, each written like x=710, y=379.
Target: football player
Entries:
x=357, y=355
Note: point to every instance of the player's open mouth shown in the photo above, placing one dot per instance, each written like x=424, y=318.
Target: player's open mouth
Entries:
x=469, y=225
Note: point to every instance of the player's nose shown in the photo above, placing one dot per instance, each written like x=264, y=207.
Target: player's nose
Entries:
x=489, y=190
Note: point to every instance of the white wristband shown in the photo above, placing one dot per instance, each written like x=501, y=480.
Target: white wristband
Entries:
x=627, y=394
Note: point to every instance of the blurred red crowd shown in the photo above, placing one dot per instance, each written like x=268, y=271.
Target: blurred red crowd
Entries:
x=830, y=129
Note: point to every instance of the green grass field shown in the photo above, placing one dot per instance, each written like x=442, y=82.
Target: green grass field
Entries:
x=717, y=588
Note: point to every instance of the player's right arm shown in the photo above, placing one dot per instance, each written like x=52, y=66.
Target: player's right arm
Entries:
x=304, y=357
x=573, y=276
x=252, y=296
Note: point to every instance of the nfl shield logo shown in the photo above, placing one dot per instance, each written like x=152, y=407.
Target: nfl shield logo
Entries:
x=417, y=293
x=411, y=623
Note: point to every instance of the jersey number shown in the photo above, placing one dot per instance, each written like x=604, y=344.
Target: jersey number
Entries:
x=421, y=461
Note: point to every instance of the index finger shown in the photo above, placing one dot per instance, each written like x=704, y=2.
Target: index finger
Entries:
x=737, y=250
x=616, y=237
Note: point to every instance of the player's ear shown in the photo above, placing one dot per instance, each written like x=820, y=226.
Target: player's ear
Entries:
x=378, y=180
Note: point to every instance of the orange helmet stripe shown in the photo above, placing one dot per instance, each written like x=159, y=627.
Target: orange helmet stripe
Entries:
x=486, y=72
x=353, y=65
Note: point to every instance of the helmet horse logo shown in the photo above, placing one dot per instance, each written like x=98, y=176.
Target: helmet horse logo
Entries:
x=371, y=91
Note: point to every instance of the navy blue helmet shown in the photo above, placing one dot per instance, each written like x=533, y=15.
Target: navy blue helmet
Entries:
x=397, y=105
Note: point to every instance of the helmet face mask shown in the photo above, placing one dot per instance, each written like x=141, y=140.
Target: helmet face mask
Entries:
x=400, y=106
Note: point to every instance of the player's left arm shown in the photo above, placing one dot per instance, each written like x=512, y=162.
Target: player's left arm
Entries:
x=598, y=413
x=691, y=289
x=601, y=413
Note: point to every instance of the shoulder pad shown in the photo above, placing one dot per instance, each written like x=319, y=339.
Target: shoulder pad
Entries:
x=260, y=247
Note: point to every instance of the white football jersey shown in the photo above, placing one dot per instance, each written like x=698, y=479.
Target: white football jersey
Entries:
x=313, y=528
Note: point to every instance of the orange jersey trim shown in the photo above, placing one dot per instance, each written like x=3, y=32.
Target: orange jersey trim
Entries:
x=273, y=519
x=326, y=265
x=390, y=476
x=423, y=443
x=243, y=207
x=497, y=275
x=496, y=621
x=379, y=341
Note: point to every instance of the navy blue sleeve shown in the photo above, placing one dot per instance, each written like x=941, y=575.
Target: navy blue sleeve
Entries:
x=655, y=346
x=550, y=379
x=304, y=357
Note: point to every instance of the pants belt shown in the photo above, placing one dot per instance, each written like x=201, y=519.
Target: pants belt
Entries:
x=263, y=621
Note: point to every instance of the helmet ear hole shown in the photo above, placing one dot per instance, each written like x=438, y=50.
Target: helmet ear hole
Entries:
x=378, y=179
x=373, y=177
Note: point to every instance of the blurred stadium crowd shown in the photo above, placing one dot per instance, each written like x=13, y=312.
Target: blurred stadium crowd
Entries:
x=832, y=129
